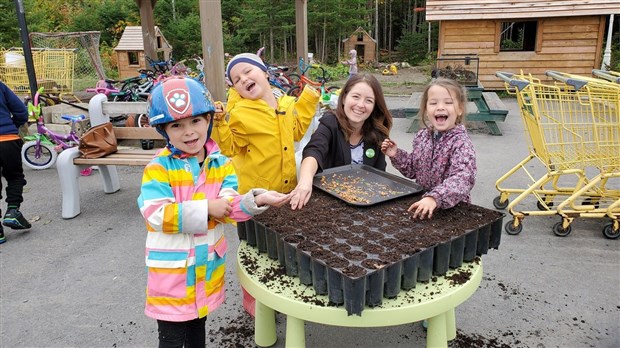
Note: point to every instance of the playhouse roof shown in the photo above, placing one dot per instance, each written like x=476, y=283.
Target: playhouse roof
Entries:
x=132, y=39
x=437, y=10
x=359, y=29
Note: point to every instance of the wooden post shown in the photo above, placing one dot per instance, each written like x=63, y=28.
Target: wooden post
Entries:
x=148, y=28
x=301, y=21
x=213, y=47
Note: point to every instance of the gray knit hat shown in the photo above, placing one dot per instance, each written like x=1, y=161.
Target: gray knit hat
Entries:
x=250, y=58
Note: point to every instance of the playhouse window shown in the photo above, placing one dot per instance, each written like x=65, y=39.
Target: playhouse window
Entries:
x=518, y=36
x=132, y=58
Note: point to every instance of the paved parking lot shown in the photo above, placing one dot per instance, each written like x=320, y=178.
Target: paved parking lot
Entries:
x=80, y=282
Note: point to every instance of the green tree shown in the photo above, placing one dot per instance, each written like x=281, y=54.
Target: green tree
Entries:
x=9, y=29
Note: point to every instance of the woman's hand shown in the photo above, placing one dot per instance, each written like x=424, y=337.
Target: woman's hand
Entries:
x=423, y=208
x=219, y=208
x=272, y=198
x=301, y=195
x=389, y=148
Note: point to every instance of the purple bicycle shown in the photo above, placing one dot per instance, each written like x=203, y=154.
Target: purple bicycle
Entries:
x=41, y=149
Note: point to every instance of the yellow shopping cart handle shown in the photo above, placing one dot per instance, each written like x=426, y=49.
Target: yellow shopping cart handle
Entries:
x=511, y=80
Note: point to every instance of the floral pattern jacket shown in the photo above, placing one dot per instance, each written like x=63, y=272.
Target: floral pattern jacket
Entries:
x=445, y=166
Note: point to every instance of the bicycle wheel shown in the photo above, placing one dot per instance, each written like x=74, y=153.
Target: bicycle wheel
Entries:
x=295, y=91
x=47, y=155
x=294, y=78
x=332, y=89
x=143, y=121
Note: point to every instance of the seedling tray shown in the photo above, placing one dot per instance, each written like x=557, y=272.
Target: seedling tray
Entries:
x=359, y=255
x=363, y=185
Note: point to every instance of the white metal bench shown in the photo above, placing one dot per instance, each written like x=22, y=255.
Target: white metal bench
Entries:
x=70, y=163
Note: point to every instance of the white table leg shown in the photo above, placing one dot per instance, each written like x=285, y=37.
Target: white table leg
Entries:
x=450, y=325
x=264, y=325
x=436, y=333
x=295, y=332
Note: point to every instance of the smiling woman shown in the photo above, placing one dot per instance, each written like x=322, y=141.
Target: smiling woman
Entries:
x=351, y=134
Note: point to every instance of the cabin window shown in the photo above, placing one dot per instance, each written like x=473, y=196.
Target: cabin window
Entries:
x=518, y=36
x=159, y=42
x=360, y=36
x=132, y=58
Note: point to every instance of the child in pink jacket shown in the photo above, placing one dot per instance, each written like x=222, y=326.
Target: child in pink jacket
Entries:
x=443, y=160
x=188, y=193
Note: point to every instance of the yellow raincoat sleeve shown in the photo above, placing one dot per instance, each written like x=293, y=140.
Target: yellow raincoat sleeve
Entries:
x=304, y=110
x=230, y=144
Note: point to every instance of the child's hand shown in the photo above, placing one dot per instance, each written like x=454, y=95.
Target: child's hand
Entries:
x=388, y=147
x=219, y=208
x=423, y=208
x=219, y=111
x=273, y=198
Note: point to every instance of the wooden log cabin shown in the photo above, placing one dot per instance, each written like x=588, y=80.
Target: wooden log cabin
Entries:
x=533, y=35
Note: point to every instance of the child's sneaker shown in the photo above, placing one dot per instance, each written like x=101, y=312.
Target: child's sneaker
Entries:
x=2, y=239
x=15, y=220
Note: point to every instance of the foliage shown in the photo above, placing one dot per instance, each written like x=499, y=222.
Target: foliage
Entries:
x=414, y=46
x=9, y=30
x=247, y=26
x=509, y=44
x=333, y=73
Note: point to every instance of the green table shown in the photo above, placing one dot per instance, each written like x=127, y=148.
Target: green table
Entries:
x=434, y=301
x=487, y=105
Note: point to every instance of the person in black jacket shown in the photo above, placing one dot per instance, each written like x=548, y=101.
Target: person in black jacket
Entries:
x=353, y=134
x=13, y=114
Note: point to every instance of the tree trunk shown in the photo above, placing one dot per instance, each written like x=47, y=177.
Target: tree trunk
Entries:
x=285, y=47
x=272, y=49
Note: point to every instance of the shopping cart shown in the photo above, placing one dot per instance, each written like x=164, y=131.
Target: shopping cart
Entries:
x=562, y=137
x=603, y=99
x=609, y=75
x=54, y=69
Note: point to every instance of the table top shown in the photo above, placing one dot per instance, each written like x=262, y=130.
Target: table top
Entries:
x=265, y=279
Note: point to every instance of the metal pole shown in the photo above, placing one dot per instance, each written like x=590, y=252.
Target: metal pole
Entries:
x=23, y=29
x=607, y=54
x=377, y=29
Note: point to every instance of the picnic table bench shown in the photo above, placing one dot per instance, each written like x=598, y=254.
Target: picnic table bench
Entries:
x=489, y=109
x=70, y=163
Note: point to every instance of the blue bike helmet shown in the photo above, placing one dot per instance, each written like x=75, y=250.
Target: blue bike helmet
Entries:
x=177, y=98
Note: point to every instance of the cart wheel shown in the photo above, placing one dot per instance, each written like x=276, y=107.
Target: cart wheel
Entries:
x=498, y=204
x=608, y=231
x=561, y=231
x=511, y=229
x=591, y=201
x=541, y=207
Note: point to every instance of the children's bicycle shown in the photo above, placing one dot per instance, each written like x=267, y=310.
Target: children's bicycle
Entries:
x=326, y=92
x=40, y=150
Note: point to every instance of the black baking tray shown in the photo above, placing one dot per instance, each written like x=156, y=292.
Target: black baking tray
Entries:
x=362, y=185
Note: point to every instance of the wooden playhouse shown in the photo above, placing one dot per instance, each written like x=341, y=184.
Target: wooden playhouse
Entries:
x=365, y=46
x=530, y=35
x=130, y=51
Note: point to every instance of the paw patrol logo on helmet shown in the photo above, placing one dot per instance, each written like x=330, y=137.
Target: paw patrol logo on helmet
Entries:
x=178, y=100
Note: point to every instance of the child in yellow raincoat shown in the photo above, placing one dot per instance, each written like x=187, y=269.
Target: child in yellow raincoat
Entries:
x=261, y=131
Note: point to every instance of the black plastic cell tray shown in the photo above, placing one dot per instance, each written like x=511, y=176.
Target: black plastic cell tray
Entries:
x=354, y=293
x=363, y=185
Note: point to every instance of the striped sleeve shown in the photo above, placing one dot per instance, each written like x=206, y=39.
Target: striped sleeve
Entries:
x=160, y=209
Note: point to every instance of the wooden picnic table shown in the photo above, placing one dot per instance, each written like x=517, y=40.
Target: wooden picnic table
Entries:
x=483, y=106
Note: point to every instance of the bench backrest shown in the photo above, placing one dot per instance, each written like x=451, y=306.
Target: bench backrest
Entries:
x=135, y=133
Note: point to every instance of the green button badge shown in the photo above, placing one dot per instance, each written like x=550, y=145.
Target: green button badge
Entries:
x=370, y=153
